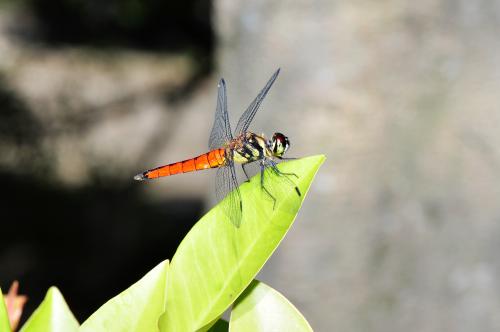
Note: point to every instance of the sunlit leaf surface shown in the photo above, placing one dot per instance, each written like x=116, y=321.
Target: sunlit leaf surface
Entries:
x=262, y=309
x=135, y=309
x=53, y=315
x=216, y=261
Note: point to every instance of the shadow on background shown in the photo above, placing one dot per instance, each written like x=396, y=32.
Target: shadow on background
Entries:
x=93, y=241
x=146, y=24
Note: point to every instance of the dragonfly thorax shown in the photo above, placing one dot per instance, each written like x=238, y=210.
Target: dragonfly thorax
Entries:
x=249, y=147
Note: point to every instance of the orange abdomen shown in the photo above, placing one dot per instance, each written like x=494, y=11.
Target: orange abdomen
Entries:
x=213, y=159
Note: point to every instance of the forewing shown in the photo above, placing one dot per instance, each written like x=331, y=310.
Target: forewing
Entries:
x=221, y=130
x=248, y=115
x=226, y=186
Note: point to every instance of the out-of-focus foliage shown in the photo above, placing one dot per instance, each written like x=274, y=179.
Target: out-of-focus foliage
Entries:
x=136, y=309
x=261, y=308
x=4, y=317
x=53, y=315
x=14, y=303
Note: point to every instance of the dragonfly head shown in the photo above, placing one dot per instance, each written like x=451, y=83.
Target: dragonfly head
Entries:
x=279, y=144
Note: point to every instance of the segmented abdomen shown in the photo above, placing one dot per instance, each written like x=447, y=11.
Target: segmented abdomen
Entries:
x=213, y=159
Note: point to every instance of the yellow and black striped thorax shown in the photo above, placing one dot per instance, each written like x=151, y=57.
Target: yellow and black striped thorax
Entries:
x=250, y=147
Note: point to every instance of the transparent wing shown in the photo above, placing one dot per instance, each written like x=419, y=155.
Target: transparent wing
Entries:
x=226, y=185
x=221, y=130
x=248, y=115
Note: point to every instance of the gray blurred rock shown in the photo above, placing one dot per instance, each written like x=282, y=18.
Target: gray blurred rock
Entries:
x=100, y=112
x=401, y=229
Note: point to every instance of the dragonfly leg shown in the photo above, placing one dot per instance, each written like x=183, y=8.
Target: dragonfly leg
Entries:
x=244, y=171
x=286, y=158
x=277, y=171
x=286, y=175
x=262, y=170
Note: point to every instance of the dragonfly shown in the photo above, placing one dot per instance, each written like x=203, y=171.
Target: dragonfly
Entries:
x=226, y=149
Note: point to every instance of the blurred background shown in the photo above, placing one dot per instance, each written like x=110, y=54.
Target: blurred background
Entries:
x=401, y=229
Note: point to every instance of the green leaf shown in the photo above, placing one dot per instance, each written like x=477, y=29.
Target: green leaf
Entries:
x=4, y=317
x=135, y=309
x=53, y=315
x=216, y=261
x=261, y=308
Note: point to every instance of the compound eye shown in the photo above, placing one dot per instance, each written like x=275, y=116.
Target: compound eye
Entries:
x=279, y=137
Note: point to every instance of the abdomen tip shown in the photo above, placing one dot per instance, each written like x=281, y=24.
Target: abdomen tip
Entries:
x=139, y=177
